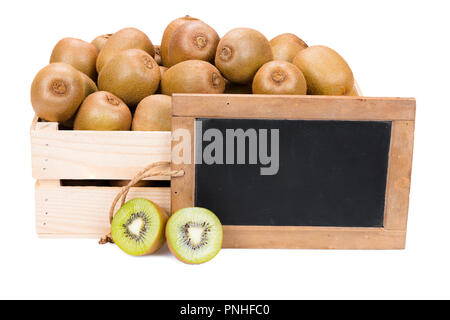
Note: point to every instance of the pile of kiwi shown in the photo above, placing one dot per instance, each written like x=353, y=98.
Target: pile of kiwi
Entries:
x=121, y=81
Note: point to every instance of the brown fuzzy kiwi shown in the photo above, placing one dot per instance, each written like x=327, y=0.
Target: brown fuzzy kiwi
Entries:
x=168, y=32
x=192, y=76
x=128, y=38
x=79, y=54
x=103, y=111
x=326, y=72
x=286, y=46
x=89, y=88
x=132, y=75
x=279, y=77
x=158, y=55
x=153, y=113
x=193, y=40
x=240, y=53
x=57, y=91
x=100, y=41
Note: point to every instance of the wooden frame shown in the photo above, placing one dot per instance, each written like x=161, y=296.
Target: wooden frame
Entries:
x=401, y=112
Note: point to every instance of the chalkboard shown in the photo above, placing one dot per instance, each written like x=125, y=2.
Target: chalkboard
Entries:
x=330, y=173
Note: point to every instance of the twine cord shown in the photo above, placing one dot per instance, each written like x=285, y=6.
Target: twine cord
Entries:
x=149, y=171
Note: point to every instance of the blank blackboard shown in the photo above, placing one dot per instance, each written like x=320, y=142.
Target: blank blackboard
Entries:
x=331, y=173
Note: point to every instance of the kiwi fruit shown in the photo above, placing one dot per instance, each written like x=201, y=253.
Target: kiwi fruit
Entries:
x=168, y=32
x=89, y=88
x=286, y=46
x=158, y=55
x=103, y=111
x=279, y=77
x=194, y=235
x=132, y=75
x=240, y=53
x=128, y=38
x=192, y=76
x=138, y=227
x=352, y=93
x=100, y=41
x=57, y=91
x=326, y=72
x=79, y=54
x=193, y=40
x=153, y=113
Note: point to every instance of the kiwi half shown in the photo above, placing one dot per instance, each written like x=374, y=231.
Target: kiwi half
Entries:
x=57, y=91
x=193, y=40
x=80, y=54
x=279, y=77
x=286, y=46
x=192, y=76
x=128, y=38
x=240, y=53
x=138, y=227
x=194, y=235
x=132, y=75
x=153, y=113
x=103, y=111
x=168, y=32
x=326, y=72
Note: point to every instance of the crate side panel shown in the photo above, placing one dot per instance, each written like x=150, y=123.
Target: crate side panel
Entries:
x=96, y=155
x=84, y=210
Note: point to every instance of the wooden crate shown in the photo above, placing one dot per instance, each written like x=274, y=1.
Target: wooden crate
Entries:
x=57, y=155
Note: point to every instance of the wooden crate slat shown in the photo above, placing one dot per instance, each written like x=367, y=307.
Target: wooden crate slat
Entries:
x=83, y=210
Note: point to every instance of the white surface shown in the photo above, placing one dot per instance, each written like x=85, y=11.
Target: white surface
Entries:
x=396, y=48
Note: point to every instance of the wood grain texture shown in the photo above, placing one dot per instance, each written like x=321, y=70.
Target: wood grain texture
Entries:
x=399, y=175
x=66, y=154
x=83, y=211
x=183, y=187
x=312, y=238
x=292, y=107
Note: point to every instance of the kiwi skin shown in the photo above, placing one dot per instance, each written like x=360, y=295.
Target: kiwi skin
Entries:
x=326, y=72
x=57, y=91
x=168, y=32
x=132, y=75
x=286, y=46
x=158, y=55
x=192, y=76
x=80, y=54
x=153, y=113
x=279, y=77
x=100, y=41
x=128, y=38
x=103, y=111
x=240, y=53
x=193, y=40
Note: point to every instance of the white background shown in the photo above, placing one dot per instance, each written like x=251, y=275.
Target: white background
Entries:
x=395, y=48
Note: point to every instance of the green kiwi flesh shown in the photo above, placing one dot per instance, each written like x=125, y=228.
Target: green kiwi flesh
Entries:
x=286, y=46
x=326, y=72
x=128, y=38
x=132, y=75
x=80, y=54
x=103, y=111
x=279, y=77
x=193, y=40
x=138, y=227
x=57, y=91
x=240, y=53
x=192, y=76
x=194, y=235
x=153, y=113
